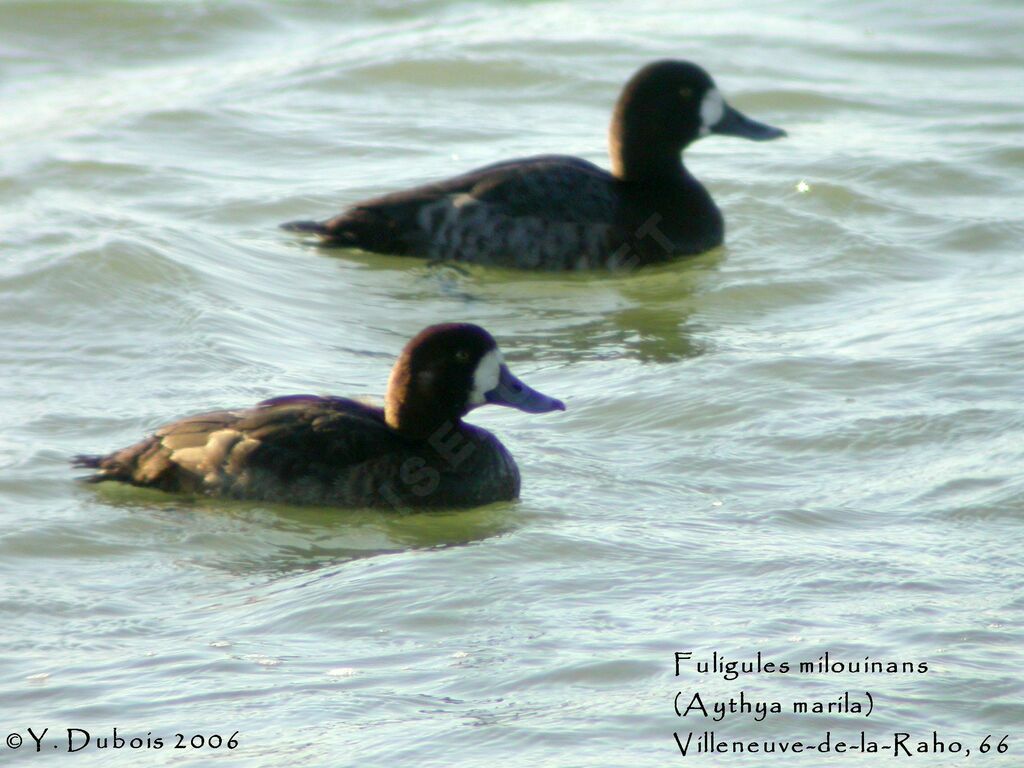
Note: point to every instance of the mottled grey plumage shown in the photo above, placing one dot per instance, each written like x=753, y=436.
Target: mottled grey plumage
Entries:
x=490, y=216
x=558, y=212
x=416, y=452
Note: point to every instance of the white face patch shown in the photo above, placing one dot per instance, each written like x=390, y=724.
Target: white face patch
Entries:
x=485, y=377
x=712, y=109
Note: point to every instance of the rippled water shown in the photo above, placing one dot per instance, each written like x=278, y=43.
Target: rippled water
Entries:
x=809, y=440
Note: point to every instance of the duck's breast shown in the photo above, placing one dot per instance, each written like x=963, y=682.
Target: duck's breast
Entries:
x=461, y=467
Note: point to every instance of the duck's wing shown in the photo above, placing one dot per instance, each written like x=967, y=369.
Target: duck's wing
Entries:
x=549, y=212
x=290, y=448
x=552, y=187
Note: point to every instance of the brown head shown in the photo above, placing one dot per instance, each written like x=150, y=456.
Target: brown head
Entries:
x=445, y=372
x=665, y=107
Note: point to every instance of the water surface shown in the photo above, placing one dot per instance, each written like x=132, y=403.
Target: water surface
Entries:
x=808, y=440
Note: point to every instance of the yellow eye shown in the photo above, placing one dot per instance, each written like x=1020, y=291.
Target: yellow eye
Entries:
x=462, y=356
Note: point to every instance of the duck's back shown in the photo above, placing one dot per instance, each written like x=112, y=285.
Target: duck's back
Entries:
x=549, y=212
x=304, y=449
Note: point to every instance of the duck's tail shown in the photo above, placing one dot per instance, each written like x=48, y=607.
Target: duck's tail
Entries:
x=86, y=461
x=312, y=227
x=361, y=227
x=89, y=461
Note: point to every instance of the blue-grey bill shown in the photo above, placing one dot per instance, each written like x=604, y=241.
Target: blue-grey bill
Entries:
x=513, y=393
x=735, y=123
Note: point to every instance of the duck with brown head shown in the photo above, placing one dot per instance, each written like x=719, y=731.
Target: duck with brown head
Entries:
x=557, y=212
x=416, y=452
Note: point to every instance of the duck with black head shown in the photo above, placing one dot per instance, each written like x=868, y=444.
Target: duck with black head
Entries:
x=558, y=212
x=415, y=452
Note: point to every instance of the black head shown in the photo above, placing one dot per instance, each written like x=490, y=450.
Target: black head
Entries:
x=666, y=106
x=446, y=371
